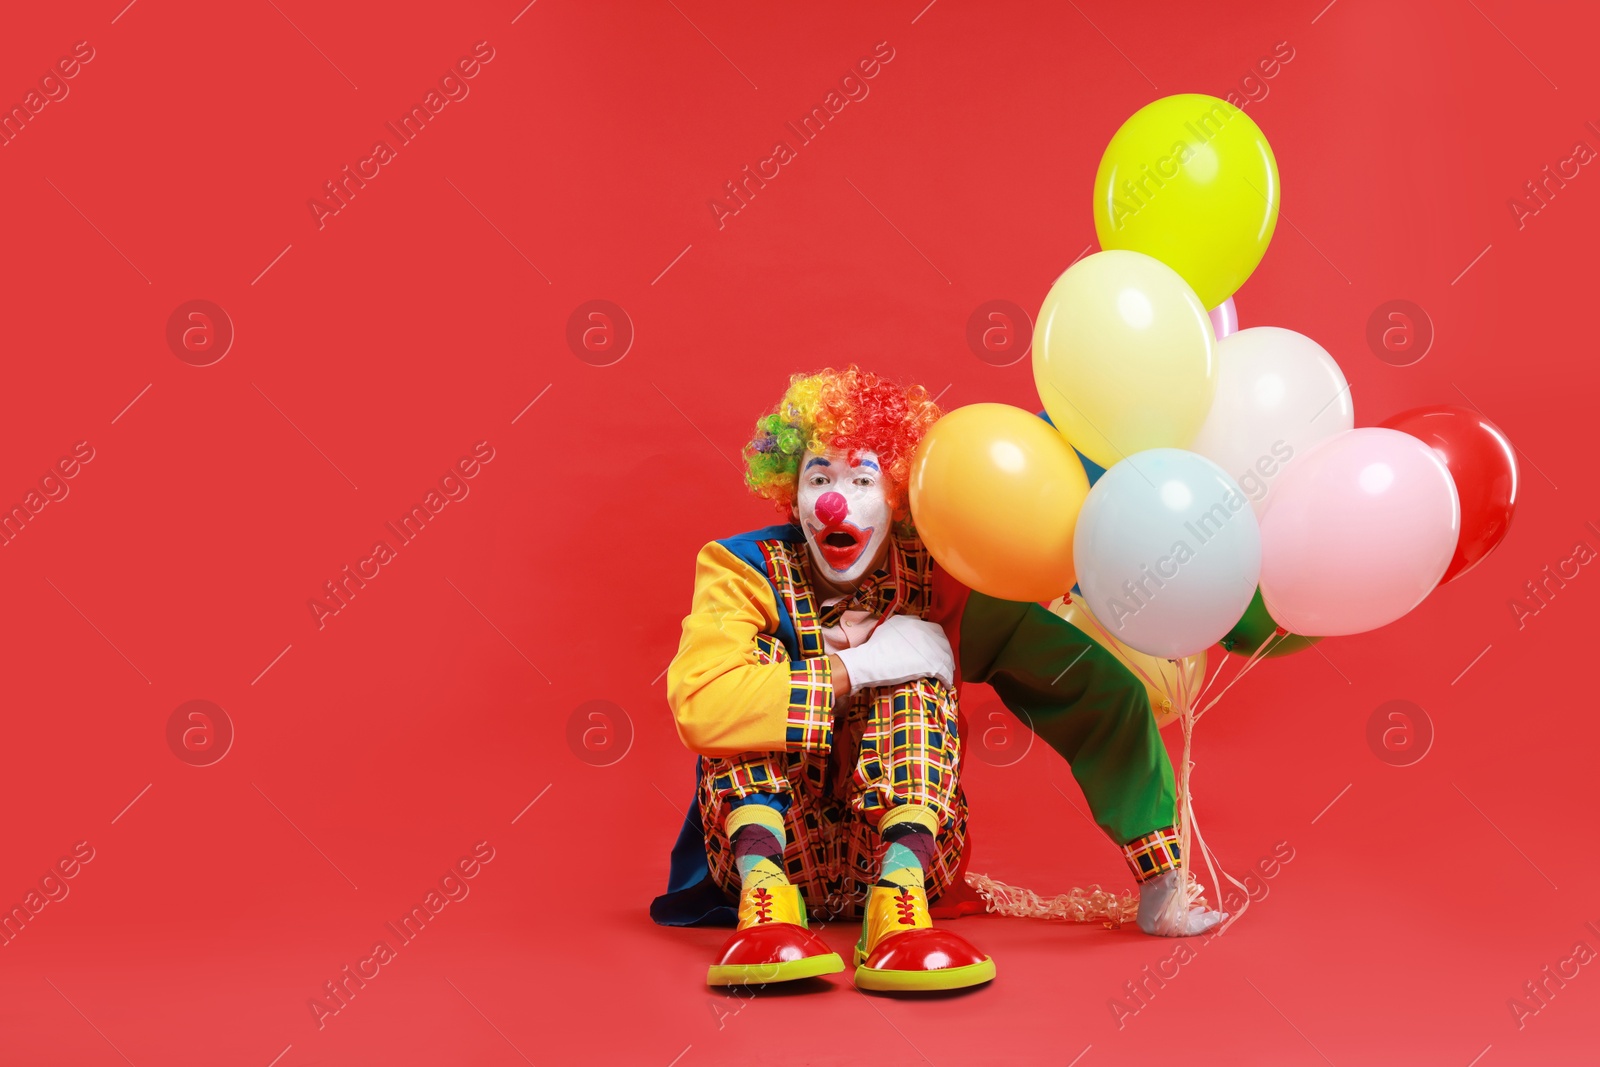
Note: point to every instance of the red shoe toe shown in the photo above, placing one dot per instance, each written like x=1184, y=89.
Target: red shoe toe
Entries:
x=929, y=958
x=929, y=949
x=772, y=943
x=773, y=952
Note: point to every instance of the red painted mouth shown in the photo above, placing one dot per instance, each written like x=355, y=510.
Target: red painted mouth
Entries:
x=841, y=544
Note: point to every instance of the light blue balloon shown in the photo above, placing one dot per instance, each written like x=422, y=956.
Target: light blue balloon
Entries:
x=1167, y=551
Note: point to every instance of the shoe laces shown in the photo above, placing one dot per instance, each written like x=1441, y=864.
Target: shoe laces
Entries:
x=762, y=899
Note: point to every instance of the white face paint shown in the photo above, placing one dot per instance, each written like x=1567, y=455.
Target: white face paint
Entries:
x=844, y=511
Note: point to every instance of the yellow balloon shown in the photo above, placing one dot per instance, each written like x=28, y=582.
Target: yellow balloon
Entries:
x=995, y=495
x=1124, y=356
x=1164, y=673
x=1191, y=180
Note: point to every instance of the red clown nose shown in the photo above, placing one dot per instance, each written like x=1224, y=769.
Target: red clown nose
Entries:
x=832, y=508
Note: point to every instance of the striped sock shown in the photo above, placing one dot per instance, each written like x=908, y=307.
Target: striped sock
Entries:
x=908, y=831
x=757, y=835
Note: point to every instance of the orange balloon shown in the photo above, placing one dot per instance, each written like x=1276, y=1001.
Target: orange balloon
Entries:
x=995, y=494
x=1164, y=674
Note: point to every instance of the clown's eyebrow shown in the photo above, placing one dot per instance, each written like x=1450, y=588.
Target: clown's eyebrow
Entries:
x=868, y=463
x=815, y=460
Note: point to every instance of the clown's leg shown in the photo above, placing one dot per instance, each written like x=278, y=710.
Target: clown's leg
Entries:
x=1119, y=759
x=772, y=942
x=1102, y=724
x=906, y=774
x=1155, y=859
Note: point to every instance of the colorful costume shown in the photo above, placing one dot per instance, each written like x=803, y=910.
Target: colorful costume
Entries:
x=810, y=788
x=753, y=608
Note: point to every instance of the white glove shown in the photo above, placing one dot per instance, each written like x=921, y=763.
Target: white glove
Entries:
x=902, y=648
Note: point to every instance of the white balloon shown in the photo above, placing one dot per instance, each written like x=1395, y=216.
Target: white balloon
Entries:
x=1278, y=393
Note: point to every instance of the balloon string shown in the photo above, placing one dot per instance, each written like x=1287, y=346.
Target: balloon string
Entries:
x=1078, y=906
x=1177, y=907
x=1189, y=717
x=1266, y=646
x=1255, y=657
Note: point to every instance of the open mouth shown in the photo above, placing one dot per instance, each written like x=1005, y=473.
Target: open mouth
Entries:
x=842, y=544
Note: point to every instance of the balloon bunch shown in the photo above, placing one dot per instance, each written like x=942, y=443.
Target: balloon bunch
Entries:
x=1200, y=484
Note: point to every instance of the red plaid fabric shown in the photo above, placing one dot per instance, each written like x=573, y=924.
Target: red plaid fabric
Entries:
x=1153, y=854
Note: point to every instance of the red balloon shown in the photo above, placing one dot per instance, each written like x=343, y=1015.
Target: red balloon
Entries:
x=1484, y=467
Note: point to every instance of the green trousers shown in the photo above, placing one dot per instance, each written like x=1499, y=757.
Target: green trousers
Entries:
x=1082, y=702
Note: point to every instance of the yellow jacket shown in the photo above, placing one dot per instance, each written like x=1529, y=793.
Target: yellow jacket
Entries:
x=732, y=686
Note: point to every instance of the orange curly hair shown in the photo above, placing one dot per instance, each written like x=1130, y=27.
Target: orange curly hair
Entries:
x=852, y=410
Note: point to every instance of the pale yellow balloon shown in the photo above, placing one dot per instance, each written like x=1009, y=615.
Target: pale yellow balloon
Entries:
x=1164, y=673
x=1124, y=356
x=995, y=495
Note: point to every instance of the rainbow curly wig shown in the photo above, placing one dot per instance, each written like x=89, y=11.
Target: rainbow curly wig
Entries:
x=851, y=410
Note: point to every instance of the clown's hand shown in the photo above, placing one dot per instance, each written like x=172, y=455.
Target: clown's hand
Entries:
x=1156, y=917
x=903, y=648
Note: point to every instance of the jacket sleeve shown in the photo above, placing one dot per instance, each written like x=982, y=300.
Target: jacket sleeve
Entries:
x=732, y=687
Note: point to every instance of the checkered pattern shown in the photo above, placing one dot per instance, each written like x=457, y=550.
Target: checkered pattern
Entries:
x=910, y=747
x=845, y=767
x=1154, y=853
x=790, y=575
x=810, y=698
x=834, y=851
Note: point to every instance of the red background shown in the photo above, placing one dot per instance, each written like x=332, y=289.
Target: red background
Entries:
x=374, y=752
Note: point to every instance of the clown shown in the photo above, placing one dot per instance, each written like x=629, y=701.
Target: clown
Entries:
x=817, y=681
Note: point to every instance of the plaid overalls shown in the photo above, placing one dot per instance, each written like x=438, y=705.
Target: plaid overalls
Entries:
x=891, y=745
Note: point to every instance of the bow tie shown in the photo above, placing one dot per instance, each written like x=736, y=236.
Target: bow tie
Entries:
x=876, y=595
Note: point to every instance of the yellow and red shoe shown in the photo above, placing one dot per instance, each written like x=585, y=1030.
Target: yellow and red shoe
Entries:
x=901, y=950
x=772, y=943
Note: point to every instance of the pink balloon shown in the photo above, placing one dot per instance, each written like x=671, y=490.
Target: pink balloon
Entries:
x=1360, y=529
x=1224, y=319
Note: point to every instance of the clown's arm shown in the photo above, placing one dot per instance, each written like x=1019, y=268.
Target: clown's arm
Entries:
x=727, y=701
